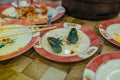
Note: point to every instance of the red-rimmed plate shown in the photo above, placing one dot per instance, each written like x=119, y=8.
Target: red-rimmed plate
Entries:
x=85, y=47
x=55, y=10
x=103, y=67
x=15, y=45
x=110, y=30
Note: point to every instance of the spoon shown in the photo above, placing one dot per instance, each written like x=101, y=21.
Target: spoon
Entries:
x=49, y=15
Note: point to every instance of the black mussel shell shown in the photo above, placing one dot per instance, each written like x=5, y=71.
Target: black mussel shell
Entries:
x=54, y=45
x=52, y=39
x=72, y=36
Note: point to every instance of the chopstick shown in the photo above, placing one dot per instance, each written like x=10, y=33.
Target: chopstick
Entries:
x=12, y=35
x=3, y=28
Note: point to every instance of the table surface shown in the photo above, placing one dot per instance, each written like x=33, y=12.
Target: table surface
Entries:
x=31, y=66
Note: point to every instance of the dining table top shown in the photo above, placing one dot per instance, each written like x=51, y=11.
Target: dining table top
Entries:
x=31, y=66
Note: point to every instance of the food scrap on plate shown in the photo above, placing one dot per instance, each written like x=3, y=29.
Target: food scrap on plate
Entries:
x=32, y=13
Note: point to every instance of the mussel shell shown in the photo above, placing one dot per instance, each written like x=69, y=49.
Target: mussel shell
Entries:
x=54, y=45
x=72, y=36
x=52, y=39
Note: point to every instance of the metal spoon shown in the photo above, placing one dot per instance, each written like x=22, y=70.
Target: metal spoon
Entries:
x=49, y=15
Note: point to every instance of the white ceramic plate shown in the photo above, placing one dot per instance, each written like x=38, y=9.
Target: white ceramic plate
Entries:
x=110, y=30
x=85, y=47
x=103, y=67
x=82, y=44
x=109, y=71
x=113, y=30
x=55, y=10
x=15, y=45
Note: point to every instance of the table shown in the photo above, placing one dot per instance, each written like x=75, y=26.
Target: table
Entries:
x=31, y=66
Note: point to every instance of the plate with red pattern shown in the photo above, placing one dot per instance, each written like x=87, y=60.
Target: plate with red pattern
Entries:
x=38, y=12
x=13, y=45
x=110, y=30
x=103, y=67
x=86, y=45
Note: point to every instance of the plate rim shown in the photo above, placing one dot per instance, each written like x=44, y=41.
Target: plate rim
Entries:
x=104, y=26
x=75, y=58
x=24, y=49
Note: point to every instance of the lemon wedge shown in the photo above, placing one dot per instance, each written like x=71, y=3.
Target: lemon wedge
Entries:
x=117, y=37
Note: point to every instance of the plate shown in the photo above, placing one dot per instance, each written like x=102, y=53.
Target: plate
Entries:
x=103, y=67
x=15, y=45
x=86, y=46
x=110, y=30
x=37, y=13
